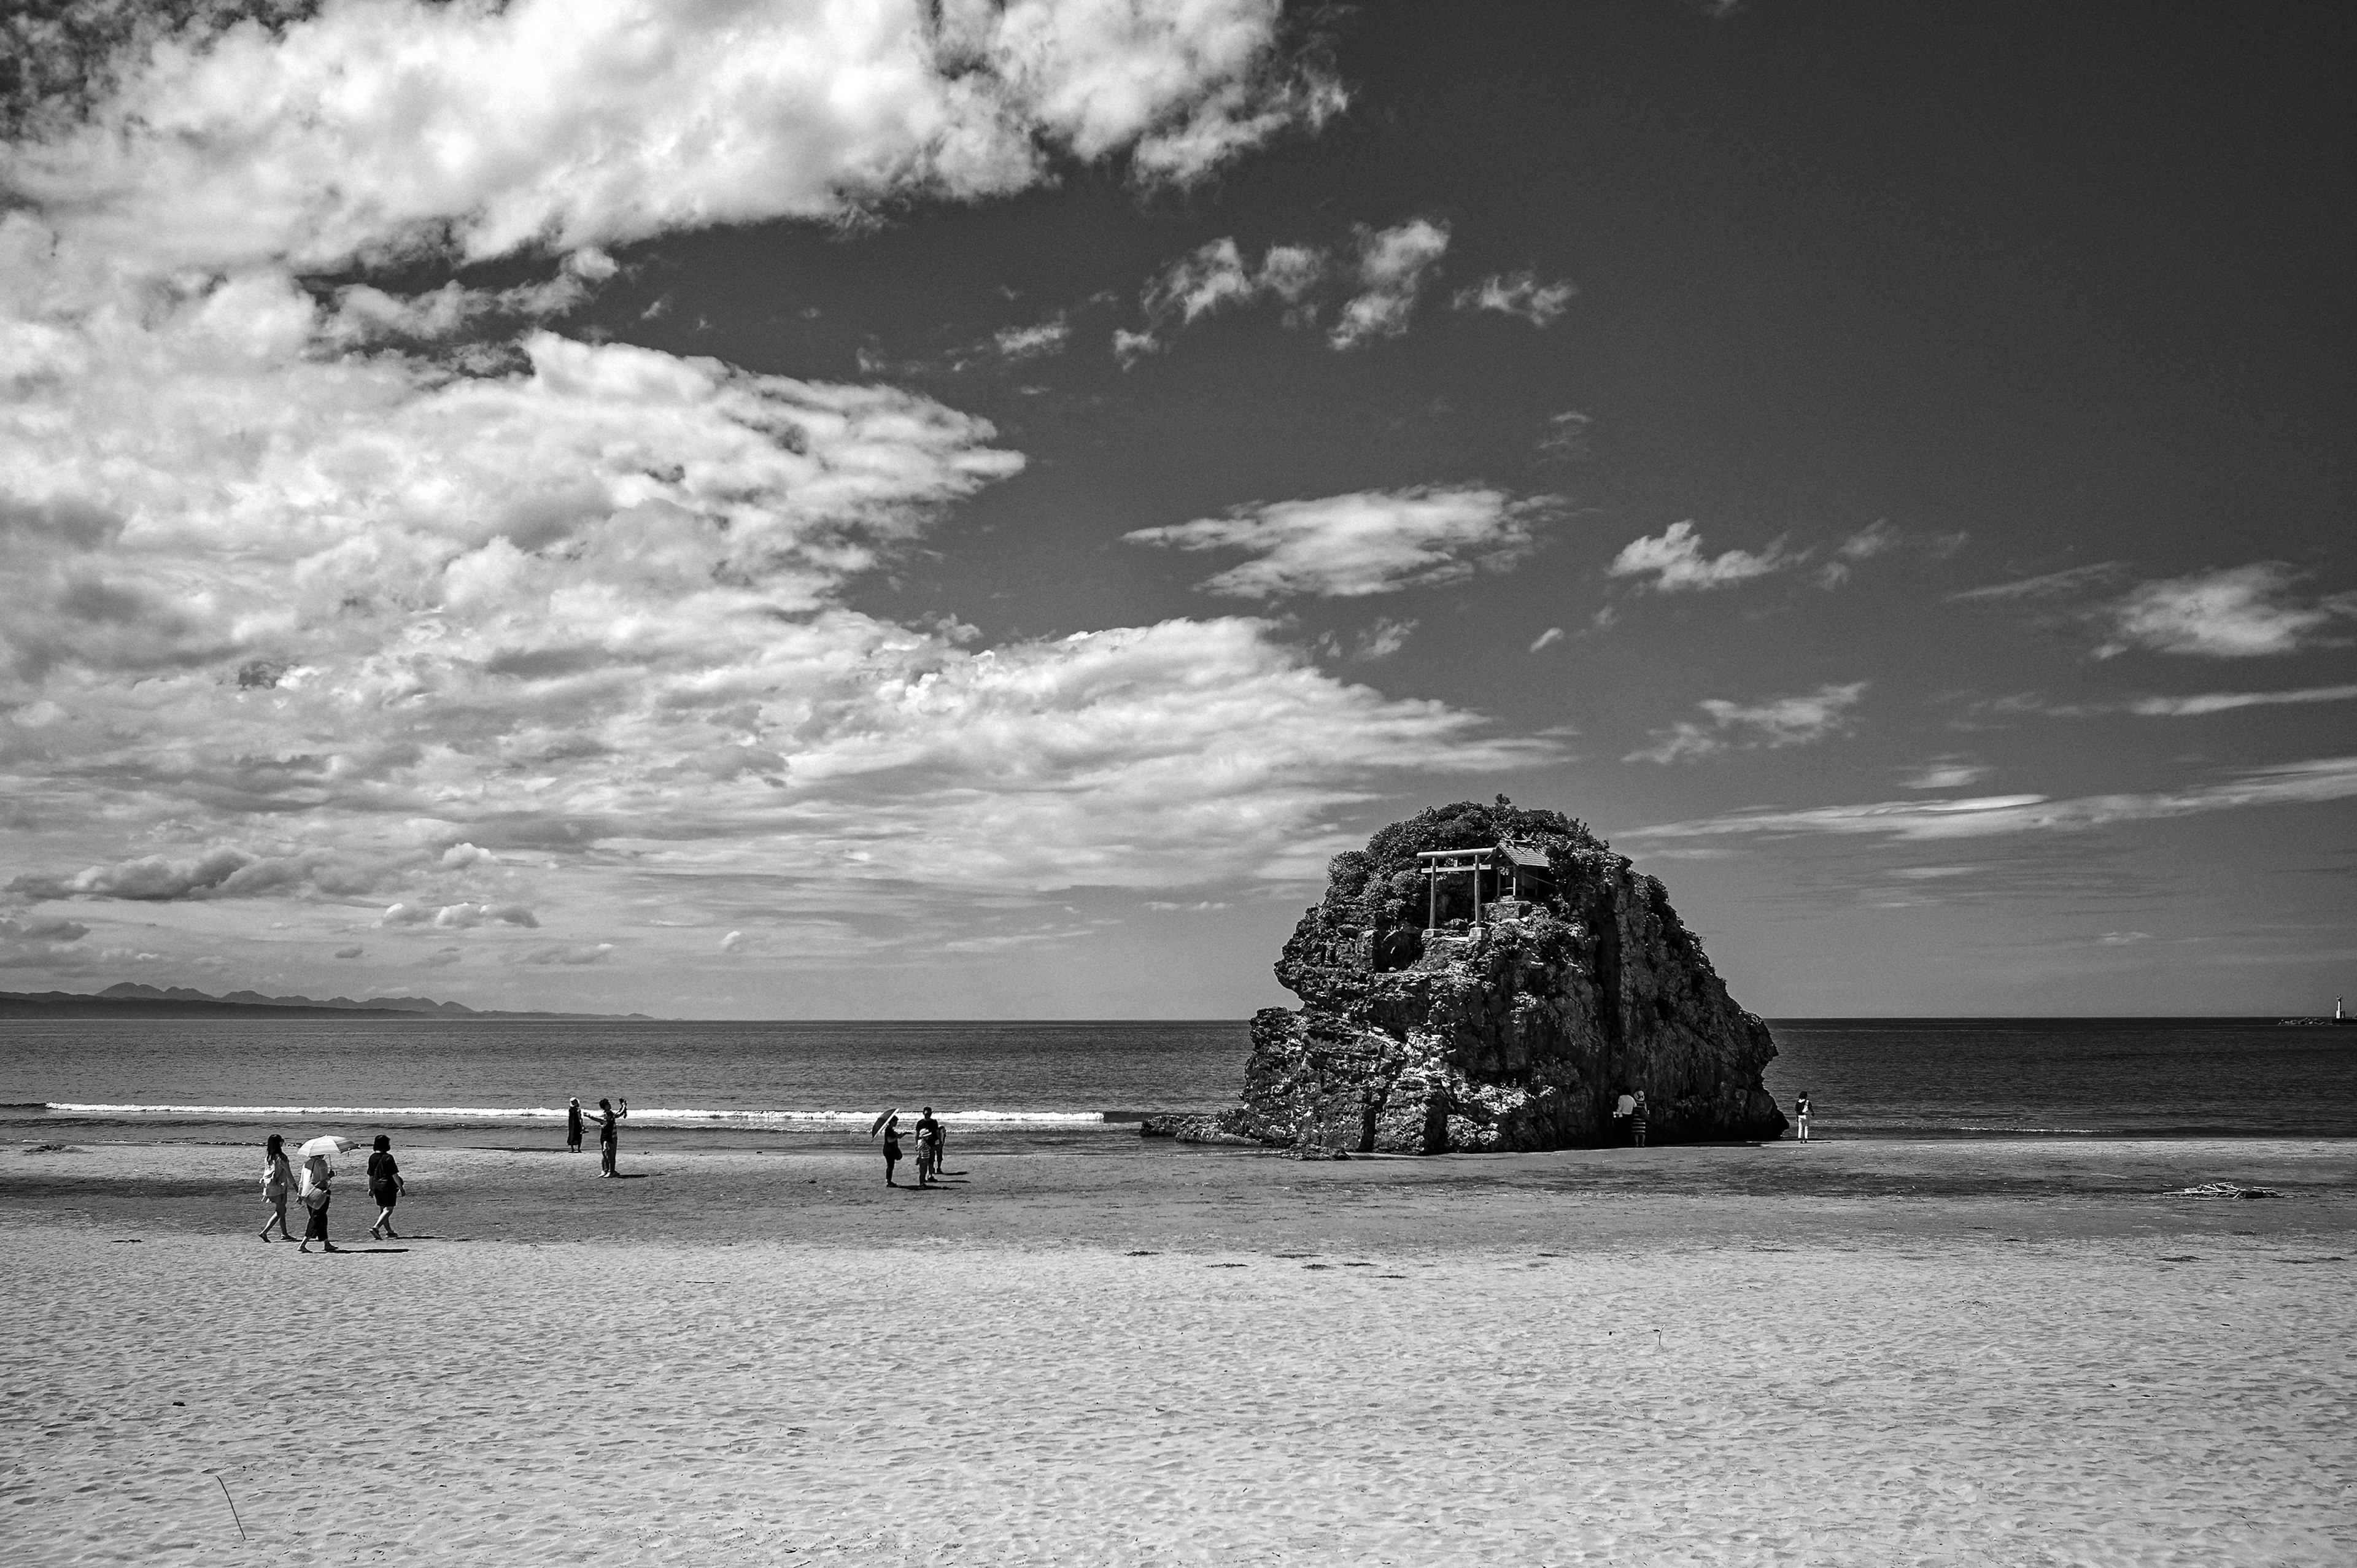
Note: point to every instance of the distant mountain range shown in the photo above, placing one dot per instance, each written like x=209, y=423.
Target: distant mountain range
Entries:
x=129, y=1000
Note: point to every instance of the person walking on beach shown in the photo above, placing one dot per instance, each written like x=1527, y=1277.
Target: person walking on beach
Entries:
x=1801, y=1114
x=385, y=1187
x=317, y=1178
x=609, y=1135
x=573, y=1125
x=891, y=1147
x=1637, y=1121
x=1622, y=1109
x=277, y=1185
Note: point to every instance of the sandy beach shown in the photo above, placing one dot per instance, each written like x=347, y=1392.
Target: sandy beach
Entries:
x=1853, y=1353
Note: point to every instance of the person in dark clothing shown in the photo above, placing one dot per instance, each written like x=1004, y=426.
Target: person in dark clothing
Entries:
x=573, y=1125
x=319, y=1177
x=1637, y=1121
x=609, y=1135
x=385, y=1187
x=929, y=1142
x=891, y=1149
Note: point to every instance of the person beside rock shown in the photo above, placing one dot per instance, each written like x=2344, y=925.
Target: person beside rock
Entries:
x=1800, y=1116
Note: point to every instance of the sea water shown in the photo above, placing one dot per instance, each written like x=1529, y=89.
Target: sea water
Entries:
x=1065, y=1080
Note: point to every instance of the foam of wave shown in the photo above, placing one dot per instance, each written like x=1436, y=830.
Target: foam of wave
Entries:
x=689, y=1116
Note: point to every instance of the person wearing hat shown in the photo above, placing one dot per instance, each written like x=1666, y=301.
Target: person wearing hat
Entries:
x=385, y=1187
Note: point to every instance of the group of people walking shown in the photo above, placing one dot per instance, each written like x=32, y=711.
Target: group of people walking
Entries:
x=315, y=1187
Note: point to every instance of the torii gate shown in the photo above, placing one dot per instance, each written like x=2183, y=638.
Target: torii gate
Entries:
x=1505, y=859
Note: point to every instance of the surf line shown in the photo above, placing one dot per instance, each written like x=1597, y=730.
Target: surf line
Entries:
x=557, y=1113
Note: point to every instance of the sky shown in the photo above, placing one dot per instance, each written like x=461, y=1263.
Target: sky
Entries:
x=889, y=510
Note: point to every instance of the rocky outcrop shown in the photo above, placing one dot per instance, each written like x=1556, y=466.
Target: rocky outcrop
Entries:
x=1519, y=1032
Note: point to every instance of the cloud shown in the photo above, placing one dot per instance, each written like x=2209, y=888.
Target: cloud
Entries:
x=579, y=123
x=38, y=941
x=458, y=917
x=2295, y=783
x=1393, y=267
x=1031, y=342
x=2240, y=612
x=2124, y=939
x=1676, y=562
x=1946, y=773
x=441, y=958
x=351, y=952
x=1370, y=541
x=1568, y=438
x=1372, y=285
x=570, y=955
x=735, y=941
x=1378, y=641
x=1764, y=726
x=221, y=873
x=2050, y=584
x=2226, y=702
x=1546, y=638
x=1519, y=294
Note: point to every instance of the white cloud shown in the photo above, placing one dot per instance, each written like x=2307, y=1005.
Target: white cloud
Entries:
x=1551, y=635
x=2124, y=939
x=1676, y=562
x=1946, y=773
x=1378, y=279
x=2240, y=612
x=1378, y=641
x=1519, y=294
x=1393, y=267
x=2295, y=783
x=1370, y=541
x=369, y=128
x=1761, y=726
x=458, y=917
x=2047, y=586
x=2226, y=702
x=569, y=954
x=1031, y=342
x=735, y=941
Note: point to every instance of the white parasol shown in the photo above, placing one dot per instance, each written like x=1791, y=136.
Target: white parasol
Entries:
x=324, y=1147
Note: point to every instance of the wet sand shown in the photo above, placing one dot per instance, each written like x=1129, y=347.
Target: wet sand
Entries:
x=1123, y=1352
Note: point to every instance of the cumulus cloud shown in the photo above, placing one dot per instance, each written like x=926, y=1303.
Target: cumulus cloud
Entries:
x=735, y=941
x=1672, y=561
x=1519, y=294
x=2240, y=612
x=1372, y=285
x=224, y=147
x=1393, y=267
x=458, y=917
x=221, y=873
x=1369, y=644
x=1370, y=541
x=2295, y=783
x=1761, y=726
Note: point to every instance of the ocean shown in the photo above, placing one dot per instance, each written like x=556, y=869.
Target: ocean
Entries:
x=1074, y=1084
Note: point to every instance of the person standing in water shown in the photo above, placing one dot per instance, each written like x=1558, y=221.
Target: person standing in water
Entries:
x=277, y=1185
x=1801, y=1114
x=573, y=1125
x=385, y=1187
x=317, y=1178
x=609, y=1135
x=1637, y=1121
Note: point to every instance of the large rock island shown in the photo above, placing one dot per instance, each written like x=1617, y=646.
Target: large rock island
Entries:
x=1491, y=978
